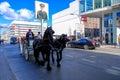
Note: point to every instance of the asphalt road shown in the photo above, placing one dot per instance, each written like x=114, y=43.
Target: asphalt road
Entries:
x=5, y=69
x=77, y=64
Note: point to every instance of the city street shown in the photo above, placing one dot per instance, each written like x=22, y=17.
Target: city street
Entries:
x=45, y=24
x=77, y=64
x=5, y=70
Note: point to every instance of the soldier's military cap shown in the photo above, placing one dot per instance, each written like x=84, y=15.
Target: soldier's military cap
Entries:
x=42, y=5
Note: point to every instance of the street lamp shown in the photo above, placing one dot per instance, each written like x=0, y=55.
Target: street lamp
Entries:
x=79, y=22
x=77, y=16
x=80, y=26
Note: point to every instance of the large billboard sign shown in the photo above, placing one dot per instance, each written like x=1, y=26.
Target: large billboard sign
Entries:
x=41, y=10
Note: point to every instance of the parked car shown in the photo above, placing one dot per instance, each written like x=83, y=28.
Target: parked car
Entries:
x=82, y=43
x=13, y=40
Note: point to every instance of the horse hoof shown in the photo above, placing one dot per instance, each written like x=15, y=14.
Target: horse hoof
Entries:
x=42, y=63
x=58, y=65
x=49, y=68
x=53, y=62
x=37, y=62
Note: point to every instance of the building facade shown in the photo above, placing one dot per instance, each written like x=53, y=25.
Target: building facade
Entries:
x=19, y=28
x=64, y=22
x=5, y=36
x=104, y=14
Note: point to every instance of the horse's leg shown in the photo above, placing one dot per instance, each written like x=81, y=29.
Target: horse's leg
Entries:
x=52, y=56
x=36, y=55
x=43, y=57
x=48, y=60
x=58, y=59
x=60, y=53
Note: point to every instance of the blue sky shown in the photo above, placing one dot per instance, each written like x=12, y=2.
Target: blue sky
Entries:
x=24, y=10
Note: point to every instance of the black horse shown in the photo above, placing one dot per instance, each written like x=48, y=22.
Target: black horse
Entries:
x=58, y=46
x=44, y=46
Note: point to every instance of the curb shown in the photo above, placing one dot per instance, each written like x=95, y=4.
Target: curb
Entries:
x=110, y=46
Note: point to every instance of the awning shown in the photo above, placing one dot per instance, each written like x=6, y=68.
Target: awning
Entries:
x=97, y=13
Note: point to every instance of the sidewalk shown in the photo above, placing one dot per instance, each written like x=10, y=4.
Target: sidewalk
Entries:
x=109, y=49
x=110, y=46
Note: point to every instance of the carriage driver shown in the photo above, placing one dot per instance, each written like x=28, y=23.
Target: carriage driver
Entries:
x=39, y=36
x=29, y=36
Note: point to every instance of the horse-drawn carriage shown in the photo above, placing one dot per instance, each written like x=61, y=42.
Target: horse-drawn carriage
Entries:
x=45, y=47
x=28, y=49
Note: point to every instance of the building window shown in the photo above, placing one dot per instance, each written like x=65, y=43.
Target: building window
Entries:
x=89, y=5
x=106, y=3
x=107, y=20
x=82, y=5
x=98, y=4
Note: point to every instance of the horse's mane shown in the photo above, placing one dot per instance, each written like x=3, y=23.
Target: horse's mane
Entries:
x=48, y=34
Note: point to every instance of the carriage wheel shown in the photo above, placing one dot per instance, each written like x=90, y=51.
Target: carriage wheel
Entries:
x=26, y=54
x=23, y=50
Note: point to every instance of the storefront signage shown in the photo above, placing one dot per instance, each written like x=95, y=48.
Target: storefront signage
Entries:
x=84, y=18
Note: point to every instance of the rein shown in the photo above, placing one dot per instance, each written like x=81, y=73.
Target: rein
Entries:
x=46, y=39
x=59, y=43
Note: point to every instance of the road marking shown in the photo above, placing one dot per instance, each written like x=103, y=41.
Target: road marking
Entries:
x=69, y=56
x=117, y=68
x=88, y=60
x=76, y=49
x=108, y=52
x=113, y=71
x=93, y=56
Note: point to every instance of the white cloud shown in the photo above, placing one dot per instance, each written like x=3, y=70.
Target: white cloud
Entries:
x=1, y=24
x=25, y=14
x=3, y=7
x=10, y=14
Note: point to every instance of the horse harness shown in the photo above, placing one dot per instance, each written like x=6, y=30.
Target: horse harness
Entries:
x=57, y=49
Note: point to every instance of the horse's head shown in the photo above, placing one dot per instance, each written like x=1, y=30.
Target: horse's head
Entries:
x=50, y=30
x=48, y=35
x=64, y=39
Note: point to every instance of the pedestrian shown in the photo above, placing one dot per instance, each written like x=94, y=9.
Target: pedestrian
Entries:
x=118, y=21
x=2, y=41
x=39, y=36
x=106, y=40
x=29, y=36
x=22, y=39
x=119, y=40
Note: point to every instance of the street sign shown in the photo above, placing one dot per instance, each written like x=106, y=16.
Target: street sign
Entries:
x=84, y=18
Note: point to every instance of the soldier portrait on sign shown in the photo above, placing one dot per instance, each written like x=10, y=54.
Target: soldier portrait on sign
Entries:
x=41, y=14
x=41, y=10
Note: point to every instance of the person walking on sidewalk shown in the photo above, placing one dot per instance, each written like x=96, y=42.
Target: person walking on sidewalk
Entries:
x=119, y=40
